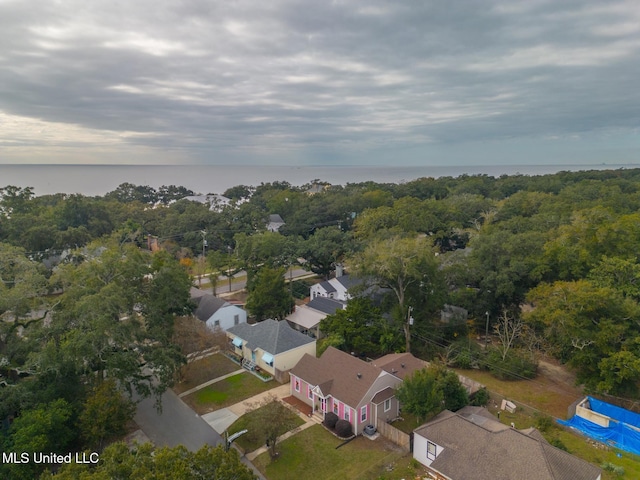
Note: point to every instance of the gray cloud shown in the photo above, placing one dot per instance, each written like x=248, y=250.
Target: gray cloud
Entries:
x=298, y=81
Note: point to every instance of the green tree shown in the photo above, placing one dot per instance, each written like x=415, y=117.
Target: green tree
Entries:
x=408, y=267
x=105, y=414
x=584, y=324
x=430, y=390
x=419, y=394
x=361, y=329
x=117, y=461
x=43, y=429
x=326, y=247
x=270, y=420
x=269, y=297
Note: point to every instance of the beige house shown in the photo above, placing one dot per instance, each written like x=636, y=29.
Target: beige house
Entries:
x=270, y=345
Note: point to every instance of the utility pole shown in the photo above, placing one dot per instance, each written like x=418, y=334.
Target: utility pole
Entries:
x=204, y=245
x=407, y=333
x=486, y=331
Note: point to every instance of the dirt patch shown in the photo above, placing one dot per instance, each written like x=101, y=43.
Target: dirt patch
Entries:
x=551, y=392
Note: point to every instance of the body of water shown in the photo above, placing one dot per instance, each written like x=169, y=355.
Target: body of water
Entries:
x=100, y=179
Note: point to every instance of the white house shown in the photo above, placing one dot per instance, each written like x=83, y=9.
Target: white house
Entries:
x=275, y=222
x=215, y=201
x=216, y=312
x=336, y=288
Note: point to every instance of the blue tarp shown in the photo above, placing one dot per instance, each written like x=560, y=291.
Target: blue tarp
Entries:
x=620, y=433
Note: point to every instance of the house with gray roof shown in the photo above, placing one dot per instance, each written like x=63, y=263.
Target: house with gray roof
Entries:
x=273, y=346
x=275, y=222
x=472, y=443
x=216, y=312
x=307, y=318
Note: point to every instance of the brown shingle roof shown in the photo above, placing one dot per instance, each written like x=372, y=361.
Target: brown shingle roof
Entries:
x=383, y=395
x=400, y=364
x=476, y=451
x=350, y=378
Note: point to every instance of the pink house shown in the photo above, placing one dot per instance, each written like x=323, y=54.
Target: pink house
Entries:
x=359, y=392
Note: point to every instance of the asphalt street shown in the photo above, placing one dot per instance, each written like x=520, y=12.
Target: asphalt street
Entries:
x=175, y=425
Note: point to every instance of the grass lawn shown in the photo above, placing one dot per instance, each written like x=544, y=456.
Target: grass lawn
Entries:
x=312, y=453
x=227, y=392
x=542, y=393
x=201, y=371
x=250, y=440
x=408, y=423
x=553, y=396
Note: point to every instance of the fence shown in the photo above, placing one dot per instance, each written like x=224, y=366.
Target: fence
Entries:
x=403, y=440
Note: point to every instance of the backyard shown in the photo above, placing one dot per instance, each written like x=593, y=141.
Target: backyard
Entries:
x=313, y=452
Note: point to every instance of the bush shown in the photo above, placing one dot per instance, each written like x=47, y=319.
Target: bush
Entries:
x=556, y=442
x=330, y=420
x=343, y=429
x=544, y=423
x=481, y=397
x=516, y=365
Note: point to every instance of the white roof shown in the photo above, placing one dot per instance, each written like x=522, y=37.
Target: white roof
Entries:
x=306, y=317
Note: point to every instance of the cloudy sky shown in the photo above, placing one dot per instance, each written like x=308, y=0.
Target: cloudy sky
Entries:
x=320, y=82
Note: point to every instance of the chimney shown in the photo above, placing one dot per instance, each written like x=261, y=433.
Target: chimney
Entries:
x=339, y=270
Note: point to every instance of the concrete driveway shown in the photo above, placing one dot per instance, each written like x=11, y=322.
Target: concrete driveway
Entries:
x=220, y=420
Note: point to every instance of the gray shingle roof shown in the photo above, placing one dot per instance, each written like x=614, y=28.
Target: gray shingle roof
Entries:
x=270, y=336
x=348, y=281
x=208, y=305
x=325, y=305
x=327, y=286
x=498, y=452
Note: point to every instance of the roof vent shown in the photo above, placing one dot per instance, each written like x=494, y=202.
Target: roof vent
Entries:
x=393, y=370
x=402, y=365
x=359, y=375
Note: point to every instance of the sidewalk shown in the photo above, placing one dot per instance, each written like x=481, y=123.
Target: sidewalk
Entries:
x=206, y=384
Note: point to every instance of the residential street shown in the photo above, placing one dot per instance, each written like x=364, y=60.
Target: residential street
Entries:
x=239, y=281
x=177, y=424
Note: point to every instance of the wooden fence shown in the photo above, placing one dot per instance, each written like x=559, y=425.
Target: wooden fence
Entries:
x=403, y=440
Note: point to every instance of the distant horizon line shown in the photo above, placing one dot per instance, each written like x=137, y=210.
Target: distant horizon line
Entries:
x=358, y=165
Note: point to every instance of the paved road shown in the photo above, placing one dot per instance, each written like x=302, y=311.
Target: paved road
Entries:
x=177, y=424
x=223, y=282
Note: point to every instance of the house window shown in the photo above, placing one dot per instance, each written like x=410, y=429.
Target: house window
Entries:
x=387, y=405
x=335, y=407
x=216, y=323
x=347, y=414
x=363, y=414
x=309, y=392
x=296, y=384
x=431, y=450
x=236, y=319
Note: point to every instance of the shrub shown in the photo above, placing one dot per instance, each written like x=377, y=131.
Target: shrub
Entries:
x=343, y=429
x=330, y=420
x=481, y=397
x=515, y=366
x=556, y=442
x=544, y=423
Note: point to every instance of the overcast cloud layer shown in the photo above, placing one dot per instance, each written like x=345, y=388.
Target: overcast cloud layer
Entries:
x=319, y=82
